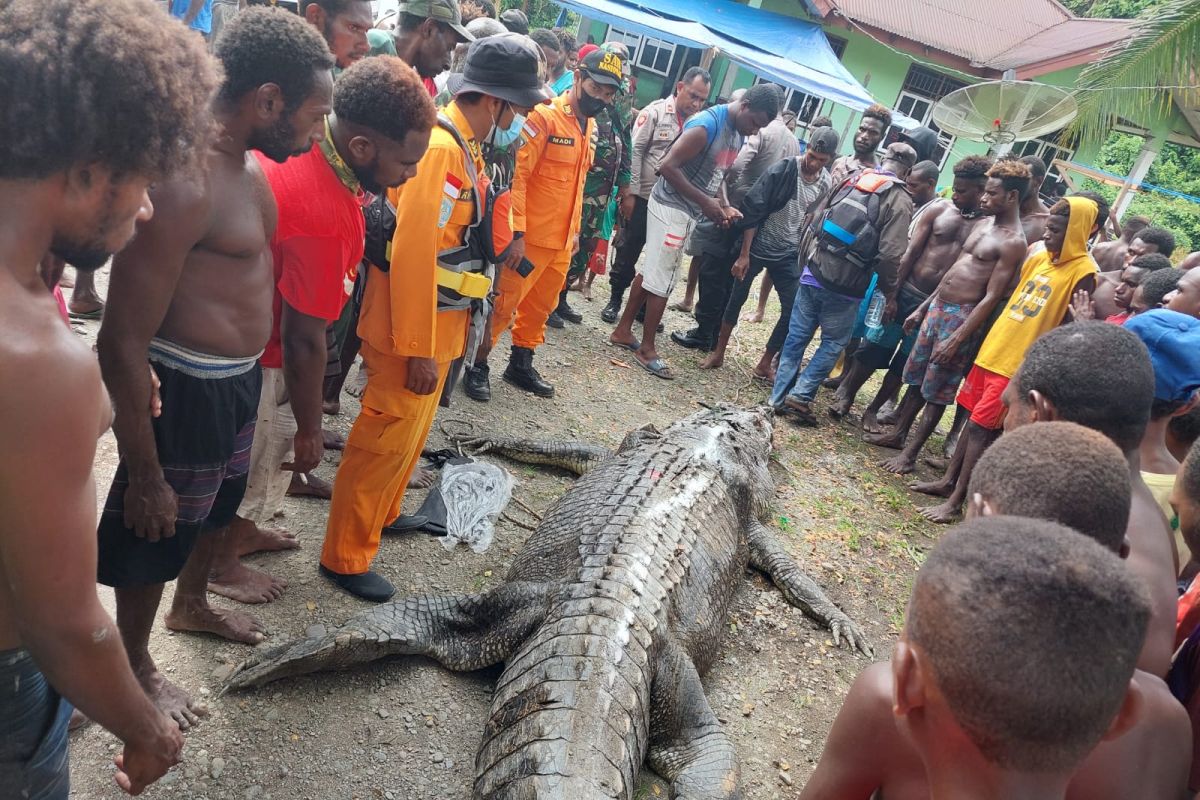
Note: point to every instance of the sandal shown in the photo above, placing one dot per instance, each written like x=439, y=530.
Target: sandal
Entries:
x=658, y=368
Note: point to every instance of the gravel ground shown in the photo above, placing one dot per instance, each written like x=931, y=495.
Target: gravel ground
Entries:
x=406, y=728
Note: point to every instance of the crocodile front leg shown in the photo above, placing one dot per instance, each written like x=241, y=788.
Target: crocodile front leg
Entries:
x=688, y=746
x=767, y=555
x=463, y=632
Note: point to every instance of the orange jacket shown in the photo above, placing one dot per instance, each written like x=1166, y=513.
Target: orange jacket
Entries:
x=399, y=310
x=551, y=167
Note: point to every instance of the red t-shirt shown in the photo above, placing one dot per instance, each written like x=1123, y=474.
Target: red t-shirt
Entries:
x=318, y=242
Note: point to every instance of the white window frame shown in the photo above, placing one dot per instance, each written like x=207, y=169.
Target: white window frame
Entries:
x=640, y=44
x=817, y=103
x=946, y=140
x=1045, y=146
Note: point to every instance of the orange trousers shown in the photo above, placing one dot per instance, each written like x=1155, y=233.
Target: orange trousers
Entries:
x=530, y=299
x=381, y=452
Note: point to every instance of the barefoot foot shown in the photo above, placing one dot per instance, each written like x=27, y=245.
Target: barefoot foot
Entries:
x=841, y=406
x=899, y=465
x=249, y=538
x=422, y=478
x=712, y=361
x=359, y=384
x=239, y=582
x=870, y=423
x=171, y=700
x=937, y=462
x=891, y=440
x=753, y=317
x=305, y=484
x=77, y=721
x=938, y=488
x=331, y=408
x=765, y=375
x=942, y=514
x=333, y=440
x=232, y=625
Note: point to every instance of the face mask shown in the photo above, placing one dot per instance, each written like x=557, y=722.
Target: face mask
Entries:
x=506, y=137
x=590, y=106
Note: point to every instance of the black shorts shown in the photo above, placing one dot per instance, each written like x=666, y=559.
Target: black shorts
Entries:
x=203, y=440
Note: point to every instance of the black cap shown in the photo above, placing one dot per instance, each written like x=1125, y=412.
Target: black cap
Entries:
x=515, y=20
x=604, y=67
x=503, y=66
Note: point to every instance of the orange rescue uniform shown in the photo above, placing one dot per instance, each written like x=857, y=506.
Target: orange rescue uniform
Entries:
x=547, y=195
x=400, y=321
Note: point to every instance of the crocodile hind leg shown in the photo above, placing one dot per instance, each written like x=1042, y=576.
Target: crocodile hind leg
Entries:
x=767, y=555
x=462, y=632
x=688, y=745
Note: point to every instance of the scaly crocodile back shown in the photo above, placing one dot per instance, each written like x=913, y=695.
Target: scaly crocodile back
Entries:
x=639, y=543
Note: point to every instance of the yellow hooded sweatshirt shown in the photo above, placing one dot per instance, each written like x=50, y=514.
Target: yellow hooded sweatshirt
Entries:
x=1043, y=294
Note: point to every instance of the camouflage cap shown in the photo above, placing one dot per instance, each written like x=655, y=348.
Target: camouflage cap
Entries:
x=445, y=11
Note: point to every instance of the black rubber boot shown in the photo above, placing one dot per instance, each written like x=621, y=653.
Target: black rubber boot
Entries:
x=565, y=311
x=476, y=384
x=521, y=374
x=555, y=321
x=613, y=309
x=368, y=585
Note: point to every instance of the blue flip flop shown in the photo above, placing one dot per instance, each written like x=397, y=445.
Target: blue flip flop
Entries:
x=658, y=368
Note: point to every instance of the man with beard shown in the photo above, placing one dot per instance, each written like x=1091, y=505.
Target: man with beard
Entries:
x=344, y=24
x=192, y=294
x=935, y=242
x=425, y=37
x=75, y=165
x=374, y=139
x=871, y=129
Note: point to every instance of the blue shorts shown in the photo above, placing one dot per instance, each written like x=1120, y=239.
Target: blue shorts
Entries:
x=33, y=732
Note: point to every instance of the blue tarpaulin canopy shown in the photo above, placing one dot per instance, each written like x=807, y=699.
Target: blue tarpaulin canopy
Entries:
x=787, y=50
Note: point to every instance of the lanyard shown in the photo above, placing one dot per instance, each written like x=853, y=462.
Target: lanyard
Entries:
x=342, y=169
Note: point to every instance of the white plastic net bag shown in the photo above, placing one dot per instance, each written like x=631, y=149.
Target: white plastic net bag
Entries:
x=474, y=495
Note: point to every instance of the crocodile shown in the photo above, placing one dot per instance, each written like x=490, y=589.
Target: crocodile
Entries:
x=606, y=620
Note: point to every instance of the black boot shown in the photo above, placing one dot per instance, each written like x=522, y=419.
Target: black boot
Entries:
x=641, y=317
x=476, y=384
x=555, y=321
x=695, y=339
x=521, y=374
x=565, y=311
x=613, y=309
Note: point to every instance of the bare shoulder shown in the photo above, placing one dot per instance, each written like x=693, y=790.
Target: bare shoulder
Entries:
x=264, y=194
x=871, y=694
x=59, y=388
x=1170, y=717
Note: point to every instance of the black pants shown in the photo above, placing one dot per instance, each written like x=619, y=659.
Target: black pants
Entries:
x=785, y=274
x=630, y=240
x=716, y=283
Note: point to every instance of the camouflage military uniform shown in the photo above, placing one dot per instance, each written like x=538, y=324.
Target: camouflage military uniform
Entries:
x=610, y=170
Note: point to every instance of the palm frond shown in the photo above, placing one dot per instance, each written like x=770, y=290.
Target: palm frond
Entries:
x=1163, y=51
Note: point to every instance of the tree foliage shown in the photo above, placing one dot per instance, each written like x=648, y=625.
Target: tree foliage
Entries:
x=1109, y=9
x=1127, y=82
x=1175, y=168
x=541, y=13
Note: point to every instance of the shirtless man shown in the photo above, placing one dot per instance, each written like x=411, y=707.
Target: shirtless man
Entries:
x=193, y=295
x=1034, y=212
x=955, y=315
x=1144, y=242
x=934, y=245
x=1110, y=256
x=1055, y=471
x=75, y=190
x=1190, y=261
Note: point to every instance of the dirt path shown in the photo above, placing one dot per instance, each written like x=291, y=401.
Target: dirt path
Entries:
x=407, y=728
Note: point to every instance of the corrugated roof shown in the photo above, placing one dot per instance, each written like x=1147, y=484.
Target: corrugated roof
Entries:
x=999, y=35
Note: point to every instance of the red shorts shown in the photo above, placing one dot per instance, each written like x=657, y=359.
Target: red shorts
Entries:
x=980, y=394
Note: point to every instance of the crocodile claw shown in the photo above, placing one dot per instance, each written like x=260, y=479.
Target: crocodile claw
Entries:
x=841, y=626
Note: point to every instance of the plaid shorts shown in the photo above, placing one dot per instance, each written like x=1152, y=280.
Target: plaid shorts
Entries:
x=939, y=382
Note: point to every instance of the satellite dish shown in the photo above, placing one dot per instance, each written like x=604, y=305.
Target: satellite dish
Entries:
x=1000, y=112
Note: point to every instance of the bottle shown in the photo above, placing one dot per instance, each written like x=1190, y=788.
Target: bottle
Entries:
x=875, y=310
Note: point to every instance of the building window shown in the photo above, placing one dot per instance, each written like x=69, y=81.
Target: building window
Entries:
x=651, y=55
x=922, y=88
x=805, y=106
x=1047, y=150
x=837, y=44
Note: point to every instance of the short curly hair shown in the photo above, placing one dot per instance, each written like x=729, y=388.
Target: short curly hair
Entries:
x=386, y=95
x=270, y=45
x=1061, y=472
x=973, y=168
x=109, y=82
x=1158, y=284
x=1161, y=238
x=879, y=112
x=1013, y=174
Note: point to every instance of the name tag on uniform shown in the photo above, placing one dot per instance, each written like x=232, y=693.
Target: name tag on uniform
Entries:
x=450, y=192
x=563, y=140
